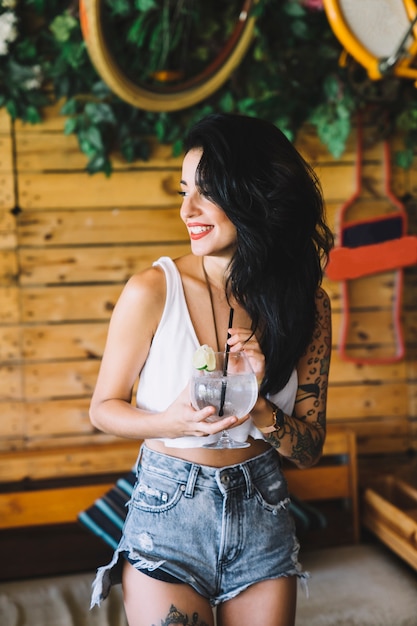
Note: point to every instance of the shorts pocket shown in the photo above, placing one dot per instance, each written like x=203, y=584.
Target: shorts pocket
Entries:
x=272, y=491
x=155, y=492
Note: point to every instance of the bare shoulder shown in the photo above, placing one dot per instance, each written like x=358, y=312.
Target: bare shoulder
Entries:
x=142, y=300
x=149, y=283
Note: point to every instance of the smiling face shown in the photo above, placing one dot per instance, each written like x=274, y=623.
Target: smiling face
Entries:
x=211, y=232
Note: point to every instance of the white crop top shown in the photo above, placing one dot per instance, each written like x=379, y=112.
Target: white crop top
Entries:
x=168, y=366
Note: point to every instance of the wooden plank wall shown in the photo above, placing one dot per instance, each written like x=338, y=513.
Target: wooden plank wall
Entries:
x=69, y=242
x=376, y=400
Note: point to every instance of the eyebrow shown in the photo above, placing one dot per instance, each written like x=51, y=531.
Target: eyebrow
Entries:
x=182, y=182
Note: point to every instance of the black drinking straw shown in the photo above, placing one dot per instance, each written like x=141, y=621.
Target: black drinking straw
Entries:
x=226, y=363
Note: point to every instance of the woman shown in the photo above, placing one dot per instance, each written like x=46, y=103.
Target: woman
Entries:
x=211, y=527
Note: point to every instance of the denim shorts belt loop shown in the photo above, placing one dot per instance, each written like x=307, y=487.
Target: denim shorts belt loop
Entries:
x=219, y=530
x=192, y=478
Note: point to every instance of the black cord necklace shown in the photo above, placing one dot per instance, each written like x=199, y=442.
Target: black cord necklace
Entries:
x=231, y=311
x=212, y=306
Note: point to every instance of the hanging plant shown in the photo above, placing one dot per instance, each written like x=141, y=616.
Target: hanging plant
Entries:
x=162, y=42
x=285, y=76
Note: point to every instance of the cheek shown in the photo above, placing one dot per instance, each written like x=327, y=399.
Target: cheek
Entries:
x=229, y=230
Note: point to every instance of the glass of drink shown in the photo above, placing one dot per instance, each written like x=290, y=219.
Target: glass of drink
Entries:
x=231, y=387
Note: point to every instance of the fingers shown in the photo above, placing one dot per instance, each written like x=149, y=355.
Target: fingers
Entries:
x=197, y=423
x=209, y=427
x=212, y=428
x=243, y=339
x=210, y=423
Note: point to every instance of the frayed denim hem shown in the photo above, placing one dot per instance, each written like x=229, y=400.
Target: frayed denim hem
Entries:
x=104, y=580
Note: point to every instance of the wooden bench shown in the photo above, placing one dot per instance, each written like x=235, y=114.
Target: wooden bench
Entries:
x=41, y=494
x=28, y=503
x=334, y=480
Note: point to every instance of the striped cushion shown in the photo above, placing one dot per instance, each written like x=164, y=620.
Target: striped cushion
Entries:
x=106, y=516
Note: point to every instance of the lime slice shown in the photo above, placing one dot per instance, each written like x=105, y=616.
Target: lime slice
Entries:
x=204, y=358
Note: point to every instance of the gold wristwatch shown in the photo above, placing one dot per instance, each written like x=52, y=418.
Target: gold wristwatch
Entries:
x=277, y=419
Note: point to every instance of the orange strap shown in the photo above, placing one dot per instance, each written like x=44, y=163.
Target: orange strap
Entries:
x=348, y=263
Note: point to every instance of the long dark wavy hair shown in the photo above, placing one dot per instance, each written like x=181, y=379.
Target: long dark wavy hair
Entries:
x=273, y=197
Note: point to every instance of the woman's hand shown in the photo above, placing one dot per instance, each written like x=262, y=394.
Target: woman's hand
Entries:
x=180, y=419
x=243, y=339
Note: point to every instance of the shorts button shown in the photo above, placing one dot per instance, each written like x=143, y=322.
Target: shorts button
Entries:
x=225, y=479
x=182, y=487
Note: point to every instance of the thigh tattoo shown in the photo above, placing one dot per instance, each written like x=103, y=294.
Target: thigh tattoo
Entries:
x=176, y=617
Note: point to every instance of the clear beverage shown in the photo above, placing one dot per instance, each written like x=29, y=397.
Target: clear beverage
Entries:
x=231, y=387
x=239, y=391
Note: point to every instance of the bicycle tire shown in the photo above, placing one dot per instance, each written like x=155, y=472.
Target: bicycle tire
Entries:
x=169, y=98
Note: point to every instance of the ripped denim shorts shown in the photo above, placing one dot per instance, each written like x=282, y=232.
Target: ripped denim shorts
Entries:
x=219, y=530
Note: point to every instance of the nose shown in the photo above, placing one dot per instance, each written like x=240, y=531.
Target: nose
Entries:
x=189, y=206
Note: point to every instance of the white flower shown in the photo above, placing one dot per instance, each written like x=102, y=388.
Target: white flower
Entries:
x=36, y=81
x=8, y=30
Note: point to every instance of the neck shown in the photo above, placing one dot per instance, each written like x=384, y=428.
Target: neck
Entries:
x=215, y=270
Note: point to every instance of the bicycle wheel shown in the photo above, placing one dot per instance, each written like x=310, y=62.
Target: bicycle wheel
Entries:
x=372, y=31
x=183, y=93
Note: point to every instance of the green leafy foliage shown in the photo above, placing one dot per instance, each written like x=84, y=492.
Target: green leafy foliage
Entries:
x=290, y=74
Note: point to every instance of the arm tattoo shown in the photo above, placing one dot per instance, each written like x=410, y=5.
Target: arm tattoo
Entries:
x=308, y=391
x=301, y=438
x=177, y=617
